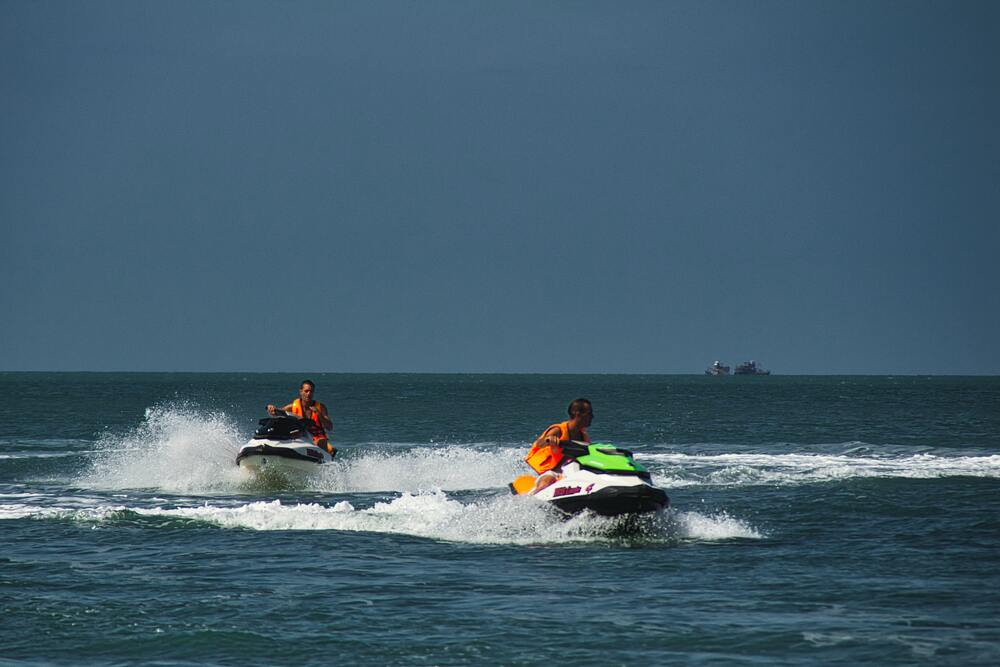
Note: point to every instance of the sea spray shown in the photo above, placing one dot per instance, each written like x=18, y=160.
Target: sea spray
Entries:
x=177, y=448
x=414, y=469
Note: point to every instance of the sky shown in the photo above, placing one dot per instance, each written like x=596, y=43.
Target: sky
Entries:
x=538, y=187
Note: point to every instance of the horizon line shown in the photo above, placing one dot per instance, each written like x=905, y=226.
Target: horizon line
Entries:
x=566, y=373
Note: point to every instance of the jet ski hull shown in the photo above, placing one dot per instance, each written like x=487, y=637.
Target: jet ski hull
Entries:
x=283, y=446
x=298, y=458
x=615, y=501
x=607, y=494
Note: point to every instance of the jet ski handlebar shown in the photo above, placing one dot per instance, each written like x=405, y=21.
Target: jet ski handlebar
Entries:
x=281, y=426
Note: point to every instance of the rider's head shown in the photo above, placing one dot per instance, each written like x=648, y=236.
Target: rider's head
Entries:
x=581, y=410
x=306, y=390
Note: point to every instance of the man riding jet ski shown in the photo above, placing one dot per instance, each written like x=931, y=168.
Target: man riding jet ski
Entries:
x=293, y=440
x=575, y=475
x=312, y=412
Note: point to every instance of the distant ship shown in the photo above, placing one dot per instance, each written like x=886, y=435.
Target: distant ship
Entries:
x=717, y=369
x=750, y=368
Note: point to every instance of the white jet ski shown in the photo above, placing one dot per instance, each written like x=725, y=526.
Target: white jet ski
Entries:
x=601, y=478
x=282, y=446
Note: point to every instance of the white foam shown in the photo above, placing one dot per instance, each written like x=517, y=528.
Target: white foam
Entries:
x=721, y=526
x=430, y=515
x=22, y=511
x=501, y=520
x=421, y=469
x=177, y=448
x=180, y=449
x=680, y=470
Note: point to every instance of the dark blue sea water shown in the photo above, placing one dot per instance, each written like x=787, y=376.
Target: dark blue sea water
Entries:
x=815, y=520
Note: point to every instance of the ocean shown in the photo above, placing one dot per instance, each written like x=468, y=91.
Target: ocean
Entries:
x=813, y=520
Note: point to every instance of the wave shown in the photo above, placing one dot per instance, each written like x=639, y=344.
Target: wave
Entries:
x=682, y=470
x=503, y=520
x=42, y=448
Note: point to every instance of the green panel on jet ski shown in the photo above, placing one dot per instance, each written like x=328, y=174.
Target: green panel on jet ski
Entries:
x=609, y=459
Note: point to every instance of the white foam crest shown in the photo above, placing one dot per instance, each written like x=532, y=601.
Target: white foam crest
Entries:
x=721, y=526
x=680, y=470
x=498, y=520
x=46, y=506
x=176, y=448
x=452, y=468
x=492, y=520
x=92, y=514
x=433, y=515
x=429, y=515
x=22, y=511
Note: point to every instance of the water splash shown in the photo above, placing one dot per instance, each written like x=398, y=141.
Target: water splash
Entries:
x=176, y=448
x=421, y=469
x=179, y=448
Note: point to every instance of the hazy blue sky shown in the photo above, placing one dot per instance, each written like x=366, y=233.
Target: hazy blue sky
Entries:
x=507, y=186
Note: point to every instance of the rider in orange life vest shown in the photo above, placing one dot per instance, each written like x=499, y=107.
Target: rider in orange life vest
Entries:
x=313, y=412
x=546, y=453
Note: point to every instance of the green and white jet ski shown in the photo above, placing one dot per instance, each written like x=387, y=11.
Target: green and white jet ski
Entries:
x=598, y=477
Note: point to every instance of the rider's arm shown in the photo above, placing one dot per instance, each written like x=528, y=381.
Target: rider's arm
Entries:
x=324, y=417
x=549, y=437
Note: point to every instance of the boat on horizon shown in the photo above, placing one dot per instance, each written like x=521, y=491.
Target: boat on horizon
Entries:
x=717, y=369
x=750, y=368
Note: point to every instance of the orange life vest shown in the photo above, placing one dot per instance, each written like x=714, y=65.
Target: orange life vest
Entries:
x=315, y=424
x=547, y=457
